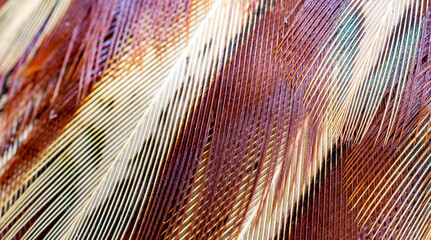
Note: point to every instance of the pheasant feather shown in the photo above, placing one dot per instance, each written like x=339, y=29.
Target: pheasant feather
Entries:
x=215, y=119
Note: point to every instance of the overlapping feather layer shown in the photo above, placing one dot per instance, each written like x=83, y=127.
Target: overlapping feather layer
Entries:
x=215, y=119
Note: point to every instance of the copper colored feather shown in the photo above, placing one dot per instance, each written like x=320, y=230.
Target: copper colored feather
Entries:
x=215, y=119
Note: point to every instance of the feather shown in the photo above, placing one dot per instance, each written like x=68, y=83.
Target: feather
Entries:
x=215, y=119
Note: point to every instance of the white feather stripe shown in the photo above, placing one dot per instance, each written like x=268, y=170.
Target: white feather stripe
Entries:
x=143, y=126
